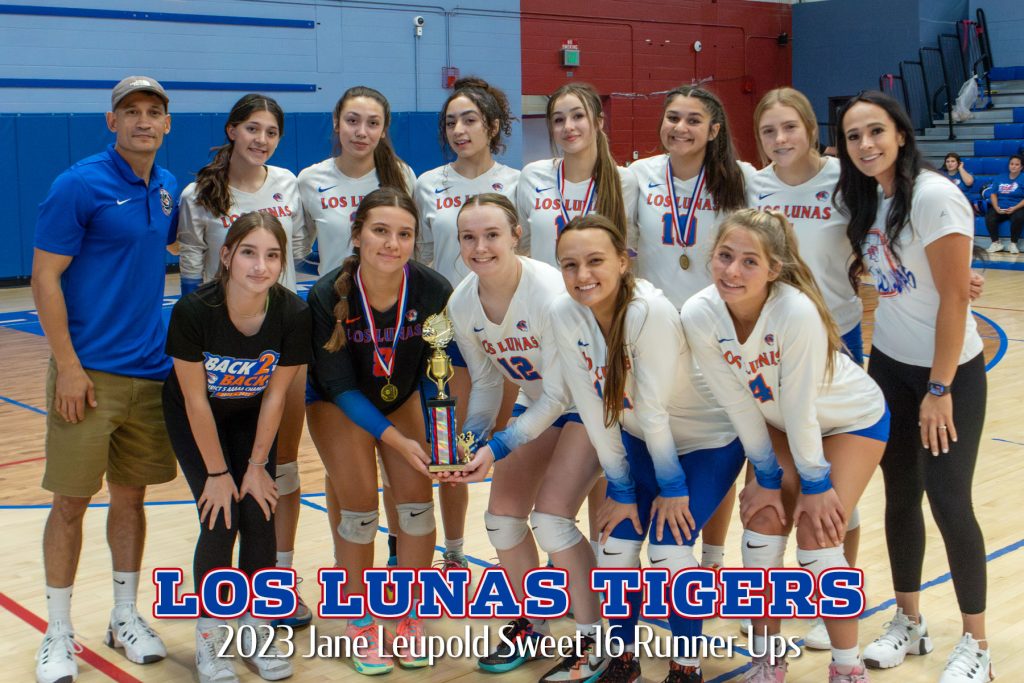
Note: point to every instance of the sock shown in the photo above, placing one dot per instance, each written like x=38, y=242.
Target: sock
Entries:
x=58, y=606
x=587, y=630
x=392, y=545
x=848, y=657
x=285, y=559
x=712, y=555
x=207, y=624
x=126, y=587
x=541, y=626
x=453, y=545
x=687, y=661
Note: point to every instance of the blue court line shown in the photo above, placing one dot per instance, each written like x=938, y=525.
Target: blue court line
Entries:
x=22, y=405
x=1015, y=443
x=998, y=265
x=1001, y=351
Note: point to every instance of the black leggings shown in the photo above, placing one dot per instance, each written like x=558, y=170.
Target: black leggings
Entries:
x=909, y=471
x=215, y=547
x=993, y=220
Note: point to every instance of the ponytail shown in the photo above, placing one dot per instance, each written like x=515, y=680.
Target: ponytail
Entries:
x=342, y=288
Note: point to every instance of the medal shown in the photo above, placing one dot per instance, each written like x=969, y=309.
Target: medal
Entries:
x=684, y=261
x=685, y=235
x=390, y=392
x=588, y=198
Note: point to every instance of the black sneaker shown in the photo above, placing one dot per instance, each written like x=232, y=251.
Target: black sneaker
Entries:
x=621, y=669
x=585, y=667
x=504, y=658
x=677, y=673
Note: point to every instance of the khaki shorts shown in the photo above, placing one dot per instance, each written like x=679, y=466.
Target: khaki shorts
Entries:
x=124, y=437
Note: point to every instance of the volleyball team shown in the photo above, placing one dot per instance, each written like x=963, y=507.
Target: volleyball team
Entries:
x=632, y=336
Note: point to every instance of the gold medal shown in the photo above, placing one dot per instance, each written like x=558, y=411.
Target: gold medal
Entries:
x=684, y=261
x=389, y=392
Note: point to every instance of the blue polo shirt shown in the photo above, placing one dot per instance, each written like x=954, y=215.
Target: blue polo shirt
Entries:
x=116, y=229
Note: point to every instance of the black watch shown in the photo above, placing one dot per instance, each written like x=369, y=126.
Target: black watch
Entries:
x=938, y=388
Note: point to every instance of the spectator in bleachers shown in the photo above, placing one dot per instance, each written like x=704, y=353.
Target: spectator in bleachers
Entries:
x=1006, y=199
x=953, y=167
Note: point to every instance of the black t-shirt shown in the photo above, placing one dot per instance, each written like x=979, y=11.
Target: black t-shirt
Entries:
x=354, y=367
x=238, y=367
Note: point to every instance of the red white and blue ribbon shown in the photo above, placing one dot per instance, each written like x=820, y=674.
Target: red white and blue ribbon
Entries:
x=588, y=198
x=684, y=235
x=386, y=366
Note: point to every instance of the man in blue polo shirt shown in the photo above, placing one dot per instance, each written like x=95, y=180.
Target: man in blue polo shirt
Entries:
x=98, y=282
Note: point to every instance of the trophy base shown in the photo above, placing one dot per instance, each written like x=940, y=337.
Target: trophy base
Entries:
x=457, y=467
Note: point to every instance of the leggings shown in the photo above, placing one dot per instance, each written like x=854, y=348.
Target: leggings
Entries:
x=993, y=220
x=215, y=547
x=910, y=471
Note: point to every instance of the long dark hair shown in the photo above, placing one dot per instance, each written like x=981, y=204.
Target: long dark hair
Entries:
x=385, y=160
x=606, y=172
x=493, y=105
x=384, y=196
x=212, y=191
x=617, y=362
x=856, y=194
x=721, y=172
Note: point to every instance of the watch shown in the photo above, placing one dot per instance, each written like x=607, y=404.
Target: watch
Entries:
x=938, y=388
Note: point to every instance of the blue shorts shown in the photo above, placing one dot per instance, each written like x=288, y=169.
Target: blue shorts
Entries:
x=518, y=409
x=312, y=395
x=453, y=352
x=710, y=474
x=878, y=431
x=854, y=341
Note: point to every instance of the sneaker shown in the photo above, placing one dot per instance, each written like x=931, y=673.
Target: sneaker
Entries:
x=1013, y=248
x=583, y=668
x=303, y=615
x=267, y=661
x=677, y=673
x=503, y=658
x=453, y=560
x=901, y=637
x=968, y=663
x=373, y=659
x=858, y=675
x=764, y=670
x=622, y=669
x=130, y=632
x=414, y=647
x=210, y=666
x=817, y=636
x=995, y=247
x=55, y=661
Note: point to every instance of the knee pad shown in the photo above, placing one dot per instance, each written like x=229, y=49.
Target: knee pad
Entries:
x=358, y=527
x=505, y=532
x=818, y=560
x=619, y=553
x=383, y=472
x=287, y=478
x=416, y=519
x=674, y=558
x=854, y=520
x=553, y=533
x=761, y=551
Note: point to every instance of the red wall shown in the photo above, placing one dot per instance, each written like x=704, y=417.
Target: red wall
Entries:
x=630, y=48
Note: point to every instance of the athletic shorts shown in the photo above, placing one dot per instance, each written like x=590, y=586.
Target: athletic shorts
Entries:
x=878, y=431
x=854, y=341
x=564, y=419
x=123, y=437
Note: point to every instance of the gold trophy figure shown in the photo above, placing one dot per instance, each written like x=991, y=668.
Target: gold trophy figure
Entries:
x=439, y=332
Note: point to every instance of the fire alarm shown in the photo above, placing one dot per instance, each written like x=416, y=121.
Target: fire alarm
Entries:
x=697, y=46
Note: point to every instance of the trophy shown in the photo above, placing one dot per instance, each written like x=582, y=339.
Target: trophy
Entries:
x=444, y=455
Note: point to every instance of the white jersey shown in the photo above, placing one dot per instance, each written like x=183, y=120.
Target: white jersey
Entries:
x=821, y=230
x=777, y=376
x=440, y=194
x=330, y=199
x=908, y=302
x=667, y=404
x=658, y=248
x=519, y=348
x=539, y=201
x=201, y=234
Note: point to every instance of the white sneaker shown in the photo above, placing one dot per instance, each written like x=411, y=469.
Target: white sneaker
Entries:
x=210, y=666
x=267, y=661
x=901, y=637
x=968, y=663
x=55, y=661
x=817, y=636
x=130, y=632
x=995, y=247
x=1013, y=248
x=745, y=626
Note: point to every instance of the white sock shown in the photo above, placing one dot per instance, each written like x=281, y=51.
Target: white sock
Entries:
x=126, y=587
x=208, y=624
x=453, y=545
x=848, y=657
x=58, y=606
x=541, y=626
x=687, y=661
x=710, y=556
x=285, y=559
x=587, y=629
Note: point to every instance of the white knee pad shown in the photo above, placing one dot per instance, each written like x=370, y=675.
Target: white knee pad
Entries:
x=505, y=532
x=761, y=551
x=358, y=527
x=553, y=533
x=287, y=478
x=619, y=553
x=416, y=519
x=674, y=558
x=854, y=520
x=818, y=560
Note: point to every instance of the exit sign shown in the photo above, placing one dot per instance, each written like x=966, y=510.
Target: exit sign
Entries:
x=570, y=54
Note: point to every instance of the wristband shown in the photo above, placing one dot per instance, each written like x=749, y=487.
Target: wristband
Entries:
x=259, y=464
x=210, y=475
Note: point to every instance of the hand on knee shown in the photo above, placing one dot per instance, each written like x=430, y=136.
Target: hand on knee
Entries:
x=766, y=521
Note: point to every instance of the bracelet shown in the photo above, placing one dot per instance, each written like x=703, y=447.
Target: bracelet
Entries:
x=210, y=475
x=259, y=464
